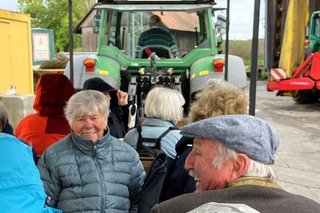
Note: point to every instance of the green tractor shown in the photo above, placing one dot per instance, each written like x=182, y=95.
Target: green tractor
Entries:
x=196, y=30
x=314, y=34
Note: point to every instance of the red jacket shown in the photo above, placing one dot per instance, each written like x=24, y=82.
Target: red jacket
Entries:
x=48, y=124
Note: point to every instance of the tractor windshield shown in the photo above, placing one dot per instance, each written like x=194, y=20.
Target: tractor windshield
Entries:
x=124, y=29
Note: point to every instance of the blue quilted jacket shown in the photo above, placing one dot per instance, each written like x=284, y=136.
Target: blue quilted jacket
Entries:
x=82, y=176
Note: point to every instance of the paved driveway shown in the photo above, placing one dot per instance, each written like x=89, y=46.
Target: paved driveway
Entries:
x=298, y=126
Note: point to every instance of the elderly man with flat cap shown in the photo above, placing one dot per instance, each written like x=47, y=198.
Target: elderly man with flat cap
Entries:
x=231, y=162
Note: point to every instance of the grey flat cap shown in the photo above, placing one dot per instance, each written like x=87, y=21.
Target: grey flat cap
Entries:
x=241, y=133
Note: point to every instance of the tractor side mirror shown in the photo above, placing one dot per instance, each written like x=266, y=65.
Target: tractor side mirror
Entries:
x=221, y=23
x=96, y=23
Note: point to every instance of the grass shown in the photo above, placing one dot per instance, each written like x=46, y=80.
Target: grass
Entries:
x=242, y=48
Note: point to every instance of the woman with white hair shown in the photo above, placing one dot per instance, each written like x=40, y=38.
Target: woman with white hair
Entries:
x=163, y=108
x=88, y=171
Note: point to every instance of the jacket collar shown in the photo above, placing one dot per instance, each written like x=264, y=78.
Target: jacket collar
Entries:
x=157, y=122
x=88, y=147
x=257, y=181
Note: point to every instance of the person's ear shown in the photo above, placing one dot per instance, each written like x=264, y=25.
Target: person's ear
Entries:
x=239, y=167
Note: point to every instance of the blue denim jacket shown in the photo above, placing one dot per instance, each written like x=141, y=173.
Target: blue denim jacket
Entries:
x=153, y=128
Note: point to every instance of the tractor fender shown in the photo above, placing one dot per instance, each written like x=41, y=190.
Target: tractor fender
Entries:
x=77, y=69
x=237, y=72
x=106, y=68
x=202, y=70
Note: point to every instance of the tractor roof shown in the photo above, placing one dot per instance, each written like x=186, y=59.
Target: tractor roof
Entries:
x=159, y=7
x=152, y=5
x=149, y=2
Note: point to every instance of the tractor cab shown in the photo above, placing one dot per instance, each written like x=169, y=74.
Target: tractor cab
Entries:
x=123, y=22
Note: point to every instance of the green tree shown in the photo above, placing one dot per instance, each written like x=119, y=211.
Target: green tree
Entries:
x=53, y=14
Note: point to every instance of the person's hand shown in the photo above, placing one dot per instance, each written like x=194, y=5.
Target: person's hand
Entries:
x=122, y=98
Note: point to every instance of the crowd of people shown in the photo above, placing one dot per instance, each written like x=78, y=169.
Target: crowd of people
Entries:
x=76, y=153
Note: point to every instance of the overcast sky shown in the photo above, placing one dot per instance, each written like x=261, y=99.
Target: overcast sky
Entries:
x=241, y=16
x=9, y=4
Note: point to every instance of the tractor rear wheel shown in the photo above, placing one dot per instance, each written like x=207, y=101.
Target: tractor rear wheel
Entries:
x=306, y=97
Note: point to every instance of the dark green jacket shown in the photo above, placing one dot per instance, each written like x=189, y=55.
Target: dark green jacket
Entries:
x=263, y=198
x=157, y=36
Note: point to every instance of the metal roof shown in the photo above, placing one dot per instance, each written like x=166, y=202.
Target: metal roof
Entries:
x=181, y=21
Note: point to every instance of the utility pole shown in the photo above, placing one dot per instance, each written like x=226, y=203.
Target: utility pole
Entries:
x=254, y=58
x=70, y=40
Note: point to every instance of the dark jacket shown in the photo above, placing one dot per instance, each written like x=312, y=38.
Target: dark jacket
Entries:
x=178, y=180
x=167, y=178
x=118, y=120
x=154, y=183
x=8, y=128
x=262, y=198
